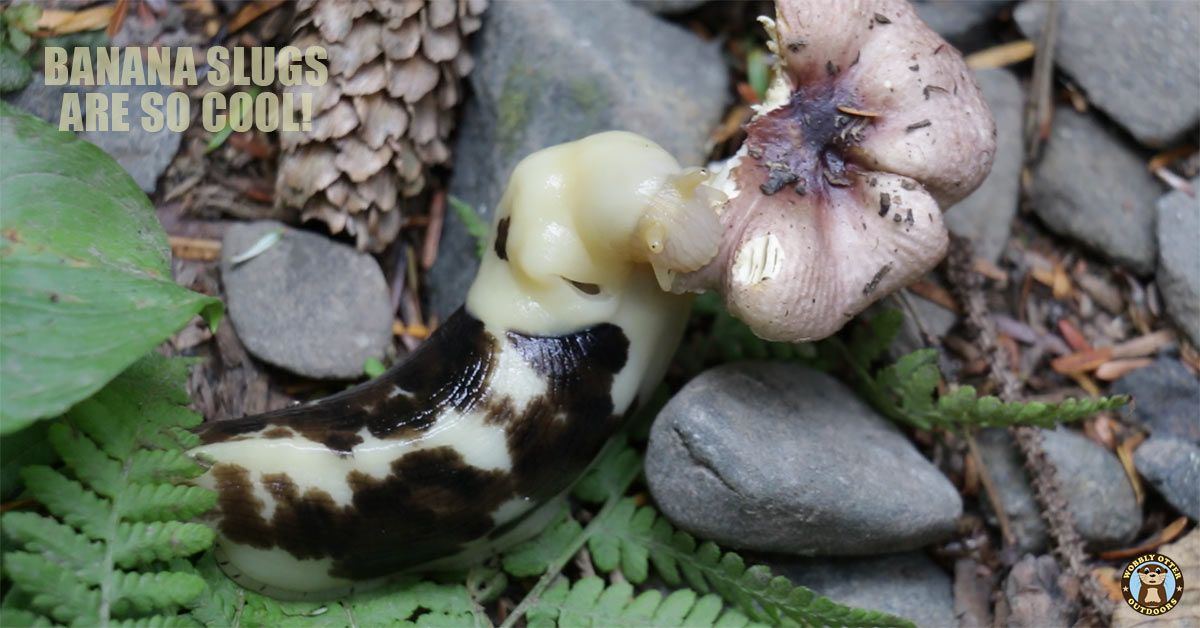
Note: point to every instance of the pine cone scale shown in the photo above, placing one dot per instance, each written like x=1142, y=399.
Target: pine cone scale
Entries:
x=384, y=117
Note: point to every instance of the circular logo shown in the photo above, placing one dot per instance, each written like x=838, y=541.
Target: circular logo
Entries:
x=1152, y=584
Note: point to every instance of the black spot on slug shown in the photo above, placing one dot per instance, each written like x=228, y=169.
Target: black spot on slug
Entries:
x=450, y=370
x=428, y=507
x=584, y=287
x=557, y=434
x=502, y=238
x=433, y=502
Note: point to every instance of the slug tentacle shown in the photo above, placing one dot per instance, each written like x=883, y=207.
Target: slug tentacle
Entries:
x=464, y=448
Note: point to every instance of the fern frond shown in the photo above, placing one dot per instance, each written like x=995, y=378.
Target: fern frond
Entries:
x=729, y=339
x=870, y=340
x=108, y=553
x=610, y=474
x=404, y=603
x=633, y=539
x=17, y=617
x=533, y=557
x=906, y=391
x=590, y=603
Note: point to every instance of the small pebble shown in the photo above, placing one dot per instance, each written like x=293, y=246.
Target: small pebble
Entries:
x=1172, y=467
x=306, y=304
x=1091, y=478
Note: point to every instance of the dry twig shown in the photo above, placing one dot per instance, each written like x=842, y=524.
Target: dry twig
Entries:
x=1068, y=546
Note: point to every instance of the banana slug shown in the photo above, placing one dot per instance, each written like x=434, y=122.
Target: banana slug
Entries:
x=457, y=451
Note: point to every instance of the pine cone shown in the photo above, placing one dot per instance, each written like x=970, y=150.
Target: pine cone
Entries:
x=383, y=117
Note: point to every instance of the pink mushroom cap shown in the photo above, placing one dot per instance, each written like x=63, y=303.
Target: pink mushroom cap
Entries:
x=872, y=127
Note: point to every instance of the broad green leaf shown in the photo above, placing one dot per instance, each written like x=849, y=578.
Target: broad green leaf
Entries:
x=87, y=286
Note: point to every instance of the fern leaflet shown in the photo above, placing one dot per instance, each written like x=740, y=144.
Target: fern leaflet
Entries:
x=633, y=539
x=906, y=392
x=590, y=603
x=404, y=603
x=108, y=553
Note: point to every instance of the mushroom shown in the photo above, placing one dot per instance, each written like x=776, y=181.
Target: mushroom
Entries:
x=872, y=126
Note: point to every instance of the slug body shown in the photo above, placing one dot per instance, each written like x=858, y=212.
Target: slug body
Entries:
x=463, y=448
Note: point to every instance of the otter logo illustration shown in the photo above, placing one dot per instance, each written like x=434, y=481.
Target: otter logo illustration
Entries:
x=1152, y=584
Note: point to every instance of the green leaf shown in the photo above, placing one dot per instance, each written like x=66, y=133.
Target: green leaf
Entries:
x=19, y=40
x=533, y=557
x=23, y=16
x=109, y=552
x=608, y=475
x=588, y=602
x=475, y=226
x=870, y=341
x=87, y=282
x=235, y=117
x=372, y=367
x=758, y=72
x=15, y=72
x=634, y=539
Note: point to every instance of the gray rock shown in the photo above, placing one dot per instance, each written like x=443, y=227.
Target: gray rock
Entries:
x=1091, y=187
x=555, y=72
x=307, y=304
x=1144, y=75
x=1173, y=468
x=1036, y=595
x=144, y=155
x=1179, y=260
x=1093, y=482
x=668, y=7
x=781, y=458
x=986, y=215
x=908, y=585
x=1166, y=399
x=959, y=21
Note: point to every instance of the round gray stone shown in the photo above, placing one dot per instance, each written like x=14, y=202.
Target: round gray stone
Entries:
x=777, y=457
x=1092, y=480
x=668, y=7
x=307, y=304
x=1166, y=399
x=1090, y=186
x=986, y=215
x=1173, y=468
x=1179, y=260
x=908, y=585
x=1136, y=60
x=1038, y=595
x=961, y=22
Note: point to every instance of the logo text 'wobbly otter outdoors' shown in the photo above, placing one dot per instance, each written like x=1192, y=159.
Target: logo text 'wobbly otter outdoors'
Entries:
x=219, y=67
x=1152, y=584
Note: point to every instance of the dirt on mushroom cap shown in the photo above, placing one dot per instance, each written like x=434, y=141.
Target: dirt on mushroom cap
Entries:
x=872, y=127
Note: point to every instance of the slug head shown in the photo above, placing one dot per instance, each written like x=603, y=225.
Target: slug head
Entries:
x=574, y=230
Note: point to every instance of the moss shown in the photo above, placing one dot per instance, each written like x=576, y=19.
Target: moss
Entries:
x=588, y=95
x=513, y=106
